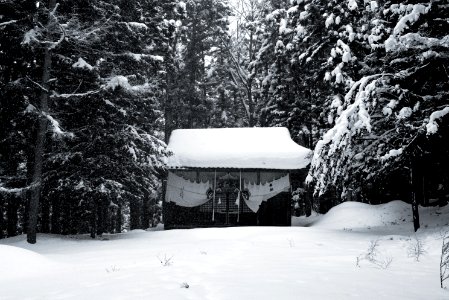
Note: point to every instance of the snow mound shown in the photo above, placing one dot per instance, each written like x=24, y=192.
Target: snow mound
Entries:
x=21, y=262
x=356, y=215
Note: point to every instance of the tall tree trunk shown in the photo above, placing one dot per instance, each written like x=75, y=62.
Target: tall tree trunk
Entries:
x=102, y=208
x=2, y=221
x=12, y=215
x=93, y=218
x=250, y=104
x=414, y=182
x=55, y=216
x=135, y=214
x=250, y=84
x=45, y=218
x=39, y=151
x=146, y=216
x=168, y=105
x=119, y=221
x=40, y=143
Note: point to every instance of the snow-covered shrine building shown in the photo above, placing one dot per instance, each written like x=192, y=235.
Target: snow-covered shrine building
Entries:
x=232, y=176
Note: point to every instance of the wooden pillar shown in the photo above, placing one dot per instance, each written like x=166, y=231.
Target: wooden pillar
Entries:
x=165, y=214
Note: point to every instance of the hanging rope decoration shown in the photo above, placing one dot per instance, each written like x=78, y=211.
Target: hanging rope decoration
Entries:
x=186, y=193
x=190, y=194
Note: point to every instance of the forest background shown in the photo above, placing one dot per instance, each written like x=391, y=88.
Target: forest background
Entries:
x=90, y=91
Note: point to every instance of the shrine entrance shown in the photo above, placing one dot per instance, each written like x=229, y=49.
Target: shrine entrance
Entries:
x=227, y=204
x=227, y=198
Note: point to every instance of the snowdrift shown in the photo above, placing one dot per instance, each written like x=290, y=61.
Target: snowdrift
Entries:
x=360, y=216
x=320, y=261
x=19, y=262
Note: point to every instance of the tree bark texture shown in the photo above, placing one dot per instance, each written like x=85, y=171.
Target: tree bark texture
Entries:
x=40, y=143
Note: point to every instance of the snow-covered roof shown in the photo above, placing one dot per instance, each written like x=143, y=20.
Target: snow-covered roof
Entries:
x=243, y=148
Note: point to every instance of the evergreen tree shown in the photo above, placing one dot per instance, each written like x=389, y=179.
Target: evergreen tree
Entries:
x=392, y=115
x=105, y=120
x=194, y=93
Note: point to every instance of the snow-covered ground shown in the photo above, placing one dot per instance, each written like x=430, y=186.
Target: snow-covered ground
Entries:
x=322, y=257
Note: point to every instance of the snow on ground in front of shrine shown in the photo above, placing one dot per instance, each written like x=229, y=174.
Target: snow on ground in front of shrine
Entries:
x=316, y=259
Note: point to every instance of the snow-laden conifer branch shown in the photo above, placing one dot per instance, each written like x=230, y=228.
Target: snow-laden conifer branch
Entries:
x=432, y=126
x=37, y=84
x=6, y=190
x=72, y=95
x=8, y=23
x=57, y=130
x=336, y=144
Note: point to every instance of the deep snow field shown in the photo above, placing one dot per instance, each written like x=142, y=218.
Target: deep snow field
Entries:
x=321, y=257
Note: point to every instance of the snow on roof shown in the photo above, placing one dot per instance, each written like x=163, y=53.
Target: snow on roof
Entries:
x=258, y=148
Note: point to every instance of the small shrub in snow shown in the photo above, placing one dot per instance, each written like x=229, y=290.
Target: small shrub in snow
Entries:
x=165, y=261
x=112, y=269
x=444, y=260
x=416, y=248
x=373, y=256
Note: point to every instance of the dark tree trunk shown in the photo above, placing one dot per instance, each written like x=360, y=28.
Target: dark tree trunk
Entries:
x=415, y=183
x=93, y=219
x=168, y=109
x=135, y=214
x=2, y=220
x=11, y=229
x=56, y=216
x=308, y=201
x=40, y=143
x=146, y=218
x=118, y=221
x=102, y=211
x=45, y=219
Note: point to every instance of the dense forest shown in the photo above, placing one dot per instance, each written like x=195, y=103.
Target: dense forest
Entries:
x=91, y=89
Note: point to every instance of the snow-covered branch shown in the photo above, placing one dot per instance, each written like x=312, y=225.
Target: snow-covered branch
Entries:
x=56, y=95
x=8, y=22
x=432, y=126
